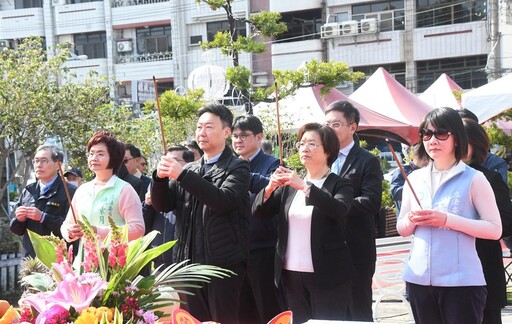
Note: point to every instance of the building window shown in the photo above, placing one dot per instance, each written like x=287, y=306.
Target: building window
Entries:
x=341, y=16
x=94, y=45
x=302, y=25
x=467, y=72
x=441, y=12
x=397, y=70
x=81, y=1
x=23, y=4
x=154, y=40
x=213, y=28
x=195, y=40
x=389, y=14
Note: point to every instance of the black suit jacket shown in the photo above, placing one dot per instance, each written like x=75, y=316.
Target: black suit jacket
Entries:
x=331, y=257
x=135, y=182
x=489, y=251
x=363, y=169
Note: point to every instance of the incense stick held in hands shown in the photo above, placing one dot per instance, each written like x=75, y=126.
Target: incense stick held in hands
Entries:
x=279, y=139
x=159, y=115
x=404, y=174
x=65, y=183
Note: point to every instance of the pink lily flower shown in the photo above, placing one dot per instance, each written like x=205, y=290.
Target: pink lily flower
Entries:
x=78, y=292
x=37, y=301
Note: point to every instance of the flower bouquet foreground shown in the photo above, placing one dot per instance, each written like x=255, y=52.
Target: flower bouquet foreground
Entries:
x=103, y=284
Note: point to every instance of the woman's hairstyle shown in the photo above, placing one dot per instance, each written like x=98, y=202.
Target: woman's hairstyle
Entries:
x=478, y=139
x=328, y=137
x=115, y=148
x=449, y=120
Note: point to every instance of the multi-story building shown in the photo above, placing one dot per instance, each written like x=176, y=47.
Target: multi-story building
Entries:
x=130, y=41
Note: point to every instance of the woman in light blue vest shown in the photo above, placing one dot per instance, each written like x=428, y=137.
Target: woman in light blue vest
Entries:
x=444, y=275
x=106, y=195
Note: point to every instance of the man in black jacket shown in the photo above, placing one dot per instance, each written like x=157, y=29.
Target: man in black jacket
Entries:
x=363, y=169
x=211, y=202
x=43, y=205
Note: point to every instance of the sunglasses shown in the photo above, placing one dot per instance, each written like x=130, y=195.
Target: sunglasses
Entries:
x=440, y=134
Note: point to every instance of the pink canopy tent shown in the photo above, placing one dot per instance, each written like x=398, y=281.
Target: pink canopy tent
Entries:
x=440, y=93
x=383, y=94
x=307, y=105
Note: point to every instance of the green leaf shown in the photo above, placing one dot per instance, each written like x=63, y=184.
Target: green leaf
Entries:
x=39, y=281
x=45, y=251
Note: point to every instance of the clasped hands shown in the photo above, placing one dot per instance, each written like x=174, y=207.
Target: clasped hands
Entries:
x=285, y=177
x=427, y=217
x=168, y=168
x=23, y=213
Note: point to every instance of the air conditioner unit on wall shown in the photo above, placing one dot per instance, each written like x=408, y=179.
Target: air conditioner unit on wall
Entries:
x=6, y=43
x=369, y=25
x=124, y=46
x=349, y=27
x=330, y=30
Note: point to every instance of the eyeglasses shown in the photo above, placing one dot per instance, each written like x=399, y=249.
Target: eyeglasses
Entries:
x=126, y=160
x=241, y=137
x=43, y=161
x=308, y=145
x=440, y=134
x=336, y=125
x=99, y=156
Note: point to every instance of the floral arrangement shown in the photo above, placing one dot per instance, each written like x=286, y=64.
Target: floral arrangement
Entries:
x=103, y=283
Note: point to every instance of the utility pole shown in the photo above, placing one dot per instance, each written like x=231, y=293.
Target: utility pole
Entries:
x=493, y=59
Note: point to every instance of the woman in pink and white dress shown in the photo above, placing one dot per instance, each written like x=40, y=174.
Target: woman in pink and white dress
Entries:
x=106, y=195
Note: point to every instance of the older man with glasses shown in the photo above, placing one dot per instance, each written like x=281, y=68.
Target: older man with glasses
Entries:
x=42, y=206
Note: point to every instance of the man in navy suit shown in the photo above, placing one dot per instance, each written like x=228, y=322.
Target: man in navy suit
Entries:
x=363, y=169
x=260, y=300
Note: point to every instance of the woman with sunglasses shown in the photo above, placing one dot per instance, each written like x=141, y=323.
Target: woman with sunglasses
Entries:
x=106, y=195
x=490, y=251
x=456, y=205
x=312, y=258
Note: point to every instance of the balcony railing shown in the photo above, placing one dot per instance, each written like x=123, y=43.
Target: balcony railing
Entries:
x=143, y=58
x=127, y=3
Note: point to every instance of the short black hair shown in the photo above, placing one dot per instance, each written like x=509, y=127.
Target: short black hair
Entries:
x=188, y=156
x=466, y=113
x=193, y=144
x=134, y=151
x=223, y=112
x=328, y=137
x=478, y=139
x=248, y=123
x=448, y=119
x=348, y=110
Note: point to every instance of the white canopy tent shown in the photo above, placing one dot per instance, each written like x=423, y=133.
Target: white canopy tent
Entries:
x=440, y=93
x=489, y=100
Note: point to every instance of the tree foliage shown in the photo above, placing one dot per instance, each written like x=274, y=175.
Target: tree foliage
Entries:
x=178, y=115
x=268, y=24
x=39, y=99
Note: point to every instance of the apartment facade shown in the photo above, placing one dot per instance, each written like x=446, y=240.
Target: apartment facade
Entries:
x=130, y=41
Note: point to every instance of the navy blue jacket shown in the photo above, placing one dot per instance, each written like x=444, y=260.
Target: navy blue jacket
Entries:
x=263, y=231
x=54, y=203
